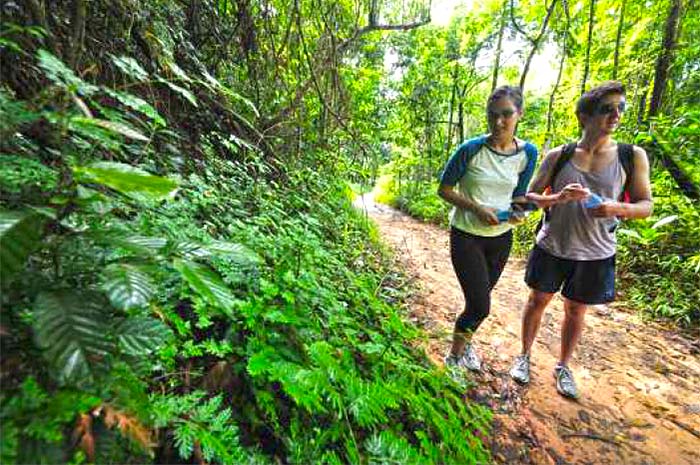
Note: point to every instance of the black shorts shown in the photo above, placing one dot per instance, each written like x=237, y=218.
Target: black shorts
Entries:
x=587, y=281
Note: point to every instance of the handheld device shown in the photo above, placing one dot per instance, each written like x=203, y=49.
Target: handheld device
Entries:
x=593, y=201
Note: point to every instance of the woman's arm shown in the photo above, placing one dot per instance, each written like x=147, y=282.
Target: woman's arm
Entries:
x=486, y=215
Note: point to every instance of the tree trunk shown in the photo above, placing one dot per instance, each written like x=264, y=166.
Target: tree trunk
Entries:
x=448, y=139
x=586, y=69
x=562, y=60
x=642, y=107
x=501, y=29
x=663, y=62
x=618, y=40
x=460, y=119
x=536, y=43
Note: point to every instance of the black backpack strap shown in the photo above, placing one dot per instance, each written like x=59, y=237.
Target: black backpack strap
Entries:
x=566, y=153
x=625, y=153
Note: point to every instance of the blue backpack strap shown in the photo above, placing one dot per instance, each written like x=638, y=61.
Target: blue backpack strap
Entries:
x=526, y=174
x=457, y=164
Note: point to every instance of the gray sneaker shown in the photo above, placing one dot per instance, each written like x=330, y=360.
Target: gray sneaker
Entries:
x=520, y=371
x=469, y=360
x=566, y=386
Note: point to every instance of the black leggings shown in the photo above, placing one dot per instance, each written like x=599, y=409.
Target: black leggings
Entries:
x=478, y=263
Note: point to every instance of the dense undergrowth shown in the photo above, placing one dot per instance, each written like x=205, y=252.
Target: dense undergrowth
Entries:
x=174, y=293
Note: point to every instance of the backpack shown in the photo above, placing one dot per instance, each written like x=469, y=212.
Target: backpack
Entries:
x=625, y=153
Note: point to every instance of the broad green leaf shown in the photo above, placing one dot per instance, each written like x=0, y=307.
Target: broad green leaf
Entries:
x=72, y=330
x=144, y=245
x=113, y=126
x=138, y=104
x=127, y=286
x=20, y=235
x=130, y=67
x=629, y=232
x=59, y=73
x=664, y=221
x=182, y=91
x=177, y=71
x=207, y=284
x=126, y=179
x=189, y=250
x=141, y=335
x=238, y=252
x=214, y=83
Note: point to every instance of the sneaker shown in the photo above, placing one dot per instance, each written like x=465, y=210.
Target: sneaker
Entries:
x=520, y=371
x=566, y=386
x=469, y=360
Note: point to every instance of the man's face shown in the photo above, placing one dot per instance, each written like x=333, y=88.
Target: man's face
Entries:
x=606, y=116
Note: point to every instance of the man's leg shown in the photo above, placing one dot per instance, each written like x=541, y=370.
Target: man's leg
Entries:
x=534, y=309
x=571, y=328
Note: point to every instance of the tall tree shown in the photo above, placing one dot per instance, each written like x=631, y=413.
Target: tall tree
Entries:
x=499, y=45
x=665, y=58
x=555, y=89
x=587, y=65
x=534, y=41
x=618, y=39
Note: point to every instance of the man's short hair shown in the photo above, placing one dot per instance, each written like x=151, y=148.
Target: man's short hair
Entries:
x=589, y=101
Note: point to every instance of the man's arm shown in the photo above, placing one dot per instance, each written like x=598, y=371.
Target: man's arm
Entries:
x=570, y=192
x=641, y=203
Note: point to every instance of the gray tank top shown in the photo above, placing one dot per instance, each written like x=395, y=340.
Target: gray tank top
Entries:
x=572, y=232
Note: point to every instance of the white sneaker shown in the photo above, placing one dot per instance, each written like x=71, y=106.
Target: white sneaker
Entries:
x=566, y=386
x=469, y=360
x=520, y=371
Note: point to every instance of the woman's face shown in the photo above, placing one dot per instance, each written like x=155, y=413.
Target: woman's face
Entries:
x=503, y=117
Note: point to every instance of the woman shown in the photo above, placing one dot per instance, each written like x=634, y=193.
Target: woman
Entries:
x=485, y=179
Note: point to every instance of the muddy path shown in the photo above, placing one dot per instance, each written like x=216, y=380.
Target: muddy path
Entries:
x=639, y=383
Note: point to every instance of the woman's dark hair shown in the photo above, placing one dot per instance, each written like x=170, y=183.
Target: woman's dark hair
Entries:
x=512, y=92
x=589, y=101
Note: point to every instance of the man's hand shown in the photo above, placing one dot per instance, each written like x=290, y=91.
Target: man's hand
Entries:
x=486, y=215
x=573, y=192
x=608, y=209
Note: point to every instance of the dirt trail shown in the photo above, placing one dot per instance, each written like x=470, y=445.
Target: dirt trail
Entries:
x=640, y=384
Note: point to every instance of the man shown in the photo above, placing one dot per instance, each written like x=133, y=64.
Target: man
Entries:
x=575, y=248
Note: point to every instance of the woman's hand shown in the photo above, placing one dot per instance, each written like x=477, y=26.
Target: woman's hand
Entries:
x=572, y=192
x=486, y=215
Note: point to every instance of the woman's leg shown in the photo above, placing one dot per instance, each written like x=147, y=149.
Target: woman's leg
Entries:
x=496, y=253
x=471, y=269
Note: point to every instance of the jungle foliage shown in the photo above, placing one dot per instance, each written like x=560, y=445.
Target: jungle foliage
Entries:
x=183, y=277
x=442, y=77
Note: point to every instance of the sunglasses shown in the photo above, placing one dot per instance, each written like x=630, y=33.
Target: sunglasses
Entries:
x=507, y=113
x=608, y=108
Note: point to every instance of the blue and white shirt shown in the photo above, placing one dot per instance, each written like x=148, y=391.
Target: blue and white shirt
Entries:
x=489, y=178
